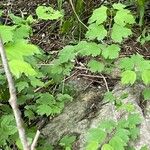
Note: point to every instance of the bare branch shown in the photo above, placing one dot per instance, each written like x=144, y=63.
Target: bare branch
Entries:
x=13, y=99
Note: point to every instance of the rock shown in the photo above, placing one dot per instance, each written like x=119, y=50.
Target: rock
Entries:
x=88, y=110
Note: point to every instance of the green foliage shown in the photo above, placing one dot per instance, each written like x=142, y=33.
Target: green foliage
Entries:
x=47, y=13
x=49, y=105
x=134, y=66
x=119, y=133
x=67, y=142
x=95, y=66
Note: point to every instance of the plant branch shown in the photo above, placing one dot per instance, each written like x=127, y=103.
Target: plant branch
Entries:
x=13, y=99
x=71, y=3
x=34, y=143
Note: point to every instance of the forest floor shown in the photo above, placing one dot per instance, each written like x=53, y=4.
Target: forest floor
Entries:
x=47, y=34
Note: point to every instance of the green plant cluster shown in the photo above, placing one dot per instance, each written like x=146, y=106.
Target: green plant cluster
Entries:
x=108, y=27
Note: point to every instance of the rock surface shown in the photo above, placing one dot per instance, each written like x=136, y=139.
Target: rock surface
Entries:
x=88, y=110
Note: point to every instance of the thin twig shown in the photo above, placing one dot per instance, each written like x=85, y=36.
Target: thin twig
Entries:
x=107, y=88
x=13, y=99
x=34, y=143
x=71, y=3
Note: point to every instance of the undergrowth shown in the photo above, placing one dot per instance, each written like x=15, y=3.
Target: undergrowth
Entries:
x=108, y=28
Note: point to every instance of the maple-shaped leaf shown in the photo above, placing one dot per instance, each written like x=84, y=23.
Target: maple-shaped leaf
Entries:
x=120, y=32
x=146, y=77
x=128, y=77
x=124, y=17
x=18, y=67
x=6, y=33
x=96, y=32
x=95, y=66
x=47, y=13
x=111, y=52
x=67, y=54
x=20, y=49
x=99, y=15
x=88, y=48
x=118, y=6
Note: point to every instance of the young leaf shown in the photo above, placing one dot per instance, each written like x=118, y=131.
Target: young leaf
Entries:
x=95, y=66
x=128, y=77
x=18, y=67
x=99, y=15
x=111, y=52
x=146, y=76
x=21, y=48
x=88, y=48
x=120, y=32
x=47, y=13
x=93, y=145
x=6, y=33
x=107, y=147
x=118, y=6
x=124, y=17
x=96, y=32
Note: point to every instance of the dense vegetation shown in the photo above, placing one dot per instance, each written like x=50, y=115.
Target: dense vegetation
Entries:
x=94, y=44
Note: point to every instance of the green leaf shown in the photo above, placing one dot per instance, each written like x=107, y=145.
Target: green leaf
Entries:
x=18, y=67
x=47, y=13
x=17, y=20
x=93, y=145
x=107, y=147
x=124, y=17
x=146, y=76
x=118, y=6
x=88, y=48
x=111, y=52
x=67, y=54
x=107, y=125
x=134, y=119
x=35, y=81
x=120, y=32
x=96, y=32
x=95, y=66
x=146, y=94
x=22, y=32
x=117, y=143
x=96, y=134
x=22, y=85
x=67, y=141
x=123, y=134
x=99, y=15
x=144, y=147
x=128, y=77
x=126, y=63
x=21, y=48
x=109, y=97
x=6, y=32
